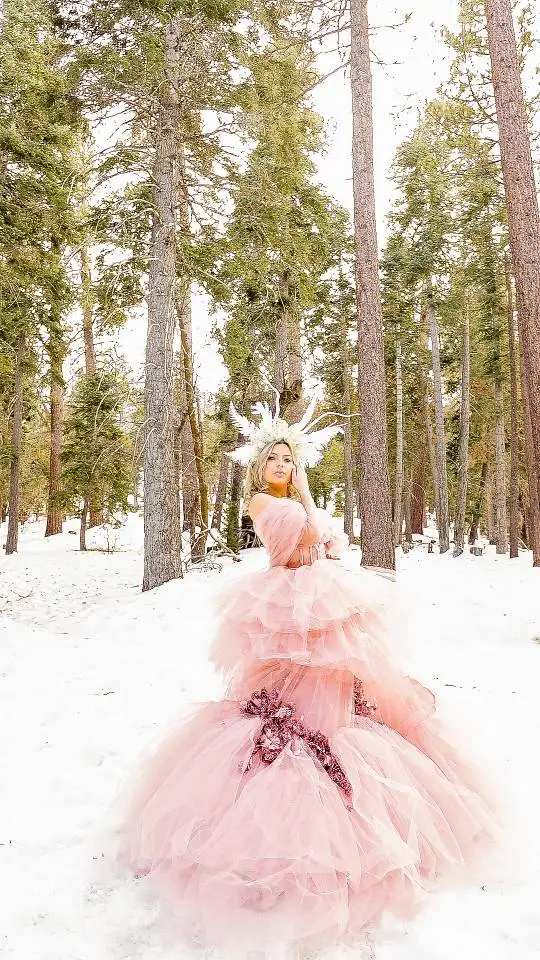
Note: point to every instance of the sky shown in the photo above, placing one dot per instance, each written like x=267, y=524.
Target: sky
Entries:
x=415, y=62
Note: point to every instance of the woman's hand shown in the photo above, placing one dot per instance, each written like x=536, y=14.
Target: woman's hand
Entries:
x=300, y=481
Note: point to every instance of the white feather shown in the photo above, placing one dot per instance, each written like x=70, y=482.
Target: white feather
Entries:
x=246, y=428
x=308, y=414
x=314, y=444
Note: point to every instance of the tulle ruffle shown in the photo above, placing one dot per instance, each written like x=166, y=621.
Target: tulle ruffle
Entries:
x=252, y=854
x=322, y=614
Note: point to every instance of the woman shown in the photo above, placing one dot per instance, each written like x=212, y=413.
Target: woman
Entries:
x=320, y=792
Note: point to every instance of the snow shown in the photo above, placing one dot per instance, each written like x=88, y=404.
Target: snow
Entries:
x=93, y=672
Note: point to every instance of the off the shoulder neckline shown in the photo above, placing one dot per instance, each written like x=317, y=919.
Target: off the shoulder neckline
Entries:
x=271, y=502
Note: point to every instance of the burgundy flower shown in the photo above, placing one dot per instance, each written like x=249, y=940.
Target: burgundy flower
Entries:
x=281, y=727
x=362, y=707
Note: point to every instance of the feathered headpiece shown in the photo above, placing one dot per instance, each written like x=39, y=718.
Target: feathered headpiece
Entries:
x=307, y=448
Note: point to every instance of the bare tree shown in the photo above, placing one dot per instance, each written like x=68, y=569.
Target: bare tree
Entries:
x=375, y=500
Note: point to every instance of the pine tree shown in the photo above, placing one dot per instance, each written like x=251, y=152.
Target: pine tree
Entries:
x=97, y=454
x=39, y=118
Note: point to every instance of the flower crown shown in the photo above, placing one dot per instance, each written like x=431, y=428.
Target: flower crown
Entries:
x=306, y=448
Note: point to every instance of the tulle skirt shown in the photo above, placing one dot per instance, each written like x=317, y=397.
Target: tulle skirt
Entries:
x=306, y=819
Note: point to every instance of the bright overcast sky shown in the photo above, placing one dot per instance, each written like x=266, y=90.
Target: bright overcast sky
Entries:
x=417, y=62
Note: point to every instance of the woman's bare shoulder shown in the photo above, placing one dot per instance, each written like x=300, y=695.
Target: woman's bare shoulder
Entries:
x=257, y=504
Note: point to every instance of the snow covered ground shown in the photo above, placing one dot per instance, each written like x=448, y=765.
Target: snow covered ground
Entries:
x=92, y=672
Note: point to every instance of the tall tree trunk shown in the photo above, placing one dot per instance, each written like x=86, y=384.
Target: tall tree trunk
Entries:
x=348, y=479
x=288, y=356
x=491, y=509
x=376, y=506
x=501, y=527
x=87, y=305
x=84, y=523
x=95, y=517
x=418, y=489
x=233, y=508
x=161, y=512
x=398, y=494
x=12, y=540
x=221, y=492
x=522, y=209
x=534, y=498
x=442, y=478
x=514, y=437
x=464, y=429
x=54, y=512
x=432, y=458
x=194, y=424
x=478, y=503
x=407, y=509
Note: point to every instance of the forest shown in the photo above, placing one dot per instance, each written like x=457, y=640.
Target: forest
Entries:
x=154, y=153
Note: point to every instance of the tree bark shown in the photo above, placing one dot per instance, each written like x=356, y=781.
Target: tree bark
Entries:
x=54, y=512
x=440, y=446
x=84, y=521
x=418, y=489
x=522, y=210
x=288, y=356
x=534, y=498
x=87, y=306
x=221, y=492
x=501, y=527
x=407, y=510
x=398, y=493
x=348, y=478
x=193, y=418
x=233, y=508
x=464, y=430
x=432, y=458
x=12, y=540
x=514, y=437
x=95, y=517
x=491, y=511
x=376, y=506
x=161, y=511
x=477, y=509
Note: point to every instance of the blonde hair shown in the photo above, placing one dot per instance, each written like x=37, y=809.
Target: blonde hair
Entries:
x=255, y=482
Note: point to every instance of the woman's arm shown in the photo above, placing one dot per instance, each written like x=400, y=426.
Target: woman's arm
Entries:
x=257, y=504
x=316, y=526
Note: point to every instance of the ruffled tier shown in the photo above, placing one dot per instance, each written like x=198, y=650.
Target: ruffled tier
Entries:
x=248, y=855
x=322, y=616
x=318, y=615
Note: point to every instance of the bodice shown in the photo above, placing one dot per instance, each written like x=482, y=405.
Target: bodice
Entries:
x=306, y=556
x=281, y=526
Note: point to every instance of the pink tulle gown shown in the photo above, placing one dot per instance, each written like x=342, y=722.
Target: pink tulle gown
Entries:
x=320, y=792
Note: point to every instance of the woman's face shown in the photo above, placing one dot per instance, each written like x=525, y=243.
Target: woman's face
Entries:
x=279, y=467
